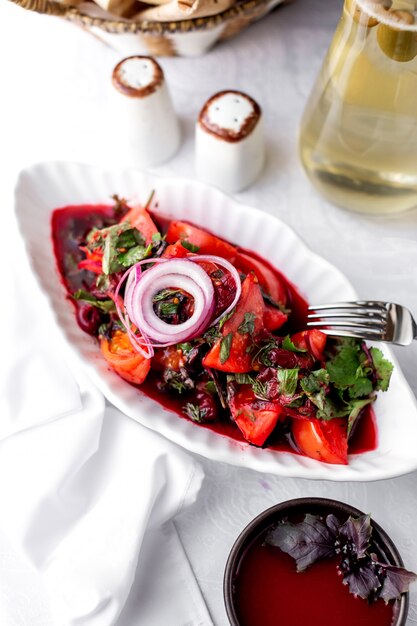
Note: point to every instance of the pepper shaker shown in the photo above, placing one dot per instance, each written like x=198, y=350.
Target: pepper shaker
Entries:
x=151, y=132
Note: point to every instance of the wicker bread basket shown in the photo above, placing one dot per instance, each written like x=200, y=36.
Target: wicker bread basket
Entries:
x=189, y=37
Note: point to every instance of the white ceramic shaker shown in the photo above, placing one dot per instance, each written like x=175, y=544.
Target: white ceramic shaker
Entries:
x=230, y=147
x=144, y=112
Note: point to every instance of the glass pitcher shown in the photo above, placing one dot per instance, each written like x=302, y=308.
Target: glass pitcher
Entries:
x=358, y=137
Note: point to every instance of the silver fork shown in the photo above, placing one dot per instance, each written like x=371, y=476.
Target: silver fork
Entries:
x=365, y=319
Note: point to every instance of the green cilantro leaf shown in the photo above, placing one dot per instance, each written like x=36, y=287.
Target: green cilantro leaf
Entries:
x=383, y=369
x=344, y=367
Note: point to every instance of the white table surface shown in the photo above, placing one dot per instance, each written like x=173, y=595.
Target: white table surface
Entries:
x=54, y=105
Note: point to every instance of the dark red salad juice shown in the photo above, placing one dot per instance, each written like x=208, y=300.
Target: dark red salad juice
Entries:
x=71, y=224
x=268, y=591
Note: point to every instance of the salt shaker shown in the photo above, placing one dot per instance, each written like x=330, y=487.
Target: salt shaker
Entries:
x=145, y=115
x=230, y=149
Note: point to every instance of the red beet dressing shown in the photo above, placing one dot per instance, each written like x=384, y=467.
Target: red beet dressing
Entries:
x=71, y=224
x=268, y=591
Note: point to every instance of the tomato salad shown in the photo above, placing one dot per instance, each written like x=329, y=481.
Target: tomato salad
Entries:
x=215, y=329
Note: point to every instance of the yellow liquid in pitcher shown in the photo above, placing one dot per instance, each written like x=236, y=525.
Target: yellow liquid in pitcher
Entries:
x=358, y=139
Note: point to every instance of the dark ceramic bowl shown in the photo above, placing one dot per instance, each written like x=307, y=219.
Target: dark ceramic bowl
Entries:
x=300, y=506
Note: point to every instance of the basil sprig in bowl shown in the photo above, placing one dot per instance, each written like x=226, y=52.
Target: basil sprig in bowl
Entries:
x=319, y=556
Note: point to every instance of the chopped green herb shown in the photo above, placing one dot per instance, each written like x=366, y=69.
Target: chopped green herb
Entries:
x=287, y=344
x=288, y=381
x=168, y=308
x=185, y=348
x=248, y=324
x=225, y=318
x=260, y=389
x=133, y=255
x=164, y=294
x=244, y=379
x=383, y=369
x=189, y=246
x=130, y=238
x=225, y=345
x=211, y=387
x=194, y=412
x=105, y=306
x=211, y=335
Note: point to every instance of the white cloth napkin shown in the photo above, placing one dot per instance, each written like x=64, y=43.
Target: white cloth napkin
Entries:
x=87, y=494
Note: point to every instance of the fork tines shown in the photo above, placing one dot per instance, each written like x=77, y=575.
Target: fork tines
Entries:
x=361, y=320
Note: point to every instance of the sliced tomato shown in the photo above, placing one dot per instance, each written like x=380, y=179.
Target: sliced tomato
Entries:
x=322, y=440
x=93, y=261
x=256, y=419
x=175, y=251
x=268, y=279
x=314, y=341
x=239, y=360
x=170, y=357
x=139, y=218
x=206, y=242
x=273, y=318
x=123, y=358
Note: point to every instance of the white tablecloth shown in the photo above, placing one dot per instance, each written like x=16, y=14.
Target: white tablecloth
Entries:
x=53, y=105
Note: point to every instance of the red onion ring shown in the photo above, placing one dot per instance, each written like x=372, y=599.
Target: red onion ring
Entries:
x=218, y=260
x=185, y=274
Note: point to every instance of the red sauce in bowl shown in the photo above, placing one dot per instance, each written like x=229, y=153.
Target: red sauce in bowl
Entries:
x=270, y=592
x=263, y=588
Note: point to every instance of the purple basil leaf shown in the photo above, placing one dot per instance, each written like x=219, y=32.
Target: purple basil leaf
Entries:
x=356, y=534
x=333, y=524
x=306, y=542
x=396, y=581
x=362, y=579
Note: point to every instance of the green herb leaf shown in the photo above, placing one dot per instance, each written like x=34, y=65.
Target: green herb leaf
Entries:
x=287, y=344
x=344, y=368
x=211, y=335
x=383, y=369
x=225, y=318
x=164, y=294
x=130, y=238
x=156, y=238
x=248, y=324
x=287, y=381
x=185, y=348
x=355, y=408
x=244, y=379
x=105, y=306
x=168, y=308
x=211, y=387
x=133, y=255
x=260, y=389
x=225, y=345
x=194, y=412
x=189, y=246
